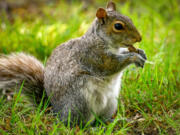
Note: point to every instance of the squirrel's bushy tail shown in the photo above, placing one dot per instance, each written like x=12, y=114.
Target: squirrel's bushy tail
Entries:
x=18, y=68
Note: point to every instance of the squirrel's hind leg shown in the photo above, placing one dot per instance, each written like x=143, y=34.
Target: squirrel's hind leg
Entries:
x=73, y=110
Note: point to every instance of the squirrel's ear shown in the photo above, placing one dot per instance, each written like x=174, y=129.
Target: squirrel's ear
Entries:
x=111, y=6
x=101, y=13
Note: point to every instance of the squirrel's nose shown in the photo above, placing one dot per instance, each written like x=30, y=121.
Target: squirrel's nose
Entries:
x=139, y=38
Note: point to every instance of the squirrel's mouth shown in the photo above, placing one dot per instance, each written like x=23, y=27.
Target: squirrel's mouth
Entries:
x=131, y=48
x=127, y=45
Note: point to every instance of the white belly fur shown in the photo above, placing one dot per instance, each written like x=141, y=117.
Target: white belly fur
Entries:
x=102, y=95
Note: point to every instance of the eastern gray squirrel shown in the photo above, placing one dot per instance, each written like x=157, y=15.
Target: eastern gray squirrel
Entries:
x=83, y=75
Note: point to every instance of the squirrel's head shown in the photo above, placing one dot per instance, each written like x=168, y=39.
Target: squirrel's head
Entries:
x=116, y=29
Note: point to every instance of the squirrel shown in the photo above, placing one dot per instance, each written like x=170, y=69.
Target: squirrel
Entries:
x=82, y=77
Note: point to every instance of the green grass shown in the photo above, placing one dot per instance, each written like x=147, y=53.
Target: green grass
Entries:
x=150, y=98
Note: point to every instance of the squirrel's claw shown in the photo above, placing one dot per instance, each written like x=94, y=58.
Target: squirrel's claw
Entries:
x=142, y=53
x=139, y=62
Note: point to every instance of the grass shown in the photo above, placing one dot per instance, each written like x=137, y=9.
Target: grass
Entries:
x=150, y=98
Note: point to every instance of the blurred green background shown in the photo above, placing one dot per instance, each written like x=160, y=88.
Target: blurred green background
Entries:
x=150, y=97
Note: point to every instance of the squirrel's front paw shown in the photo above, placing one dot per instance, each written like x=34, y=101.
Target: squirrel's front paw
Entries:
x=142, y=53
x=138, y=60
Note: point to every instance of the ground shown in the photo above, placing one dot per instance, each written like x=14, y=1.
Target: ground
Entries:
x=149, y=102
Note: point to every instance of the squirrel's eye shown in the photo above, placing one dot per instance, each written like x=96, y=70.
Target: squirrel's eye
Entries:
x=118, y=26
